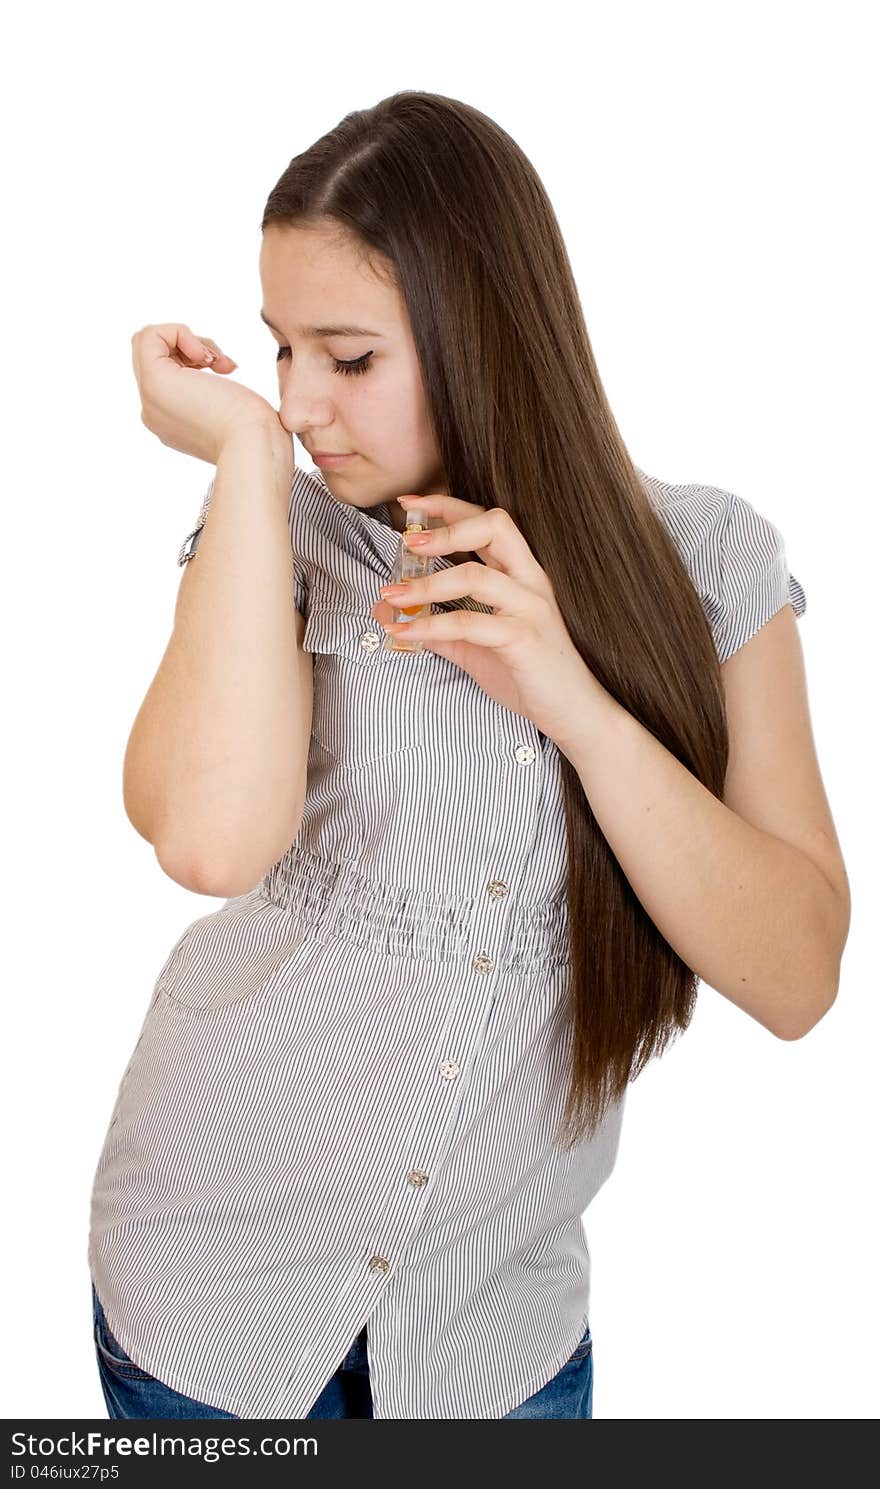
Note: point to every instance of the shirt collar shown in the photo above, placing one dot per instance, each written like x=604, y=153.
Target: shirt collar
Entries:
x=376, y=526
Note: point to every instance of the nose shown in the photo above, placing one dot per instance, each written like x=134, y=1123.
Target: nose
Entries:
x=300, y=417
x=298, y=409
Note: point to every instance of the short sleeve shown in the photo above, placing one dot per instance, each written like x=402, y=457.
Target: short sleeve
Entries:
x=734, y=555
x=755, y=580
x=300, y=589
x=188, y=547
x=190, y=543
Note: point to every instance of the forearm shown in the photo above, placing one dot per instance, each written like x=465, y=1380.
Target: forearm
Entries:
x=210, y=761
x=749, y=913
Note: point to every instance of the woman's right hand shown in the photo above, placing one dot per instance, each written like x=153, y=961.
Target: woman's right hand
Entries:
x=186, y=408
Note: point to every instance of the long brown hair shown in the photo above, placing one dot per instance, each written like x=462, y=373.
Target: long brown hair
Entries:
x=445, y=197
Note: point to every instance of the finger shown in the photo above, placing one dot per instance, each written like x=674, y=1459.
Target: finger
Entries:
x=488, y=586
x=461, y=625
x=492, y=534
x=221, y=362
x=449, y=507
x=201, y=351
x=382, y=612
x=175, y=340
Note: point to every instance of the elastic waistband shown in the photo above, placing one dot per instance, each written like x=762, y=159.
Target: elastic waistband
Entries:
x=336, y=902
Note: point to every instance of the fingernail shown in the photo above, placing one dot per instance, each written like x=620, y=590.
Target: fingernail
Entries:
x=209, y=356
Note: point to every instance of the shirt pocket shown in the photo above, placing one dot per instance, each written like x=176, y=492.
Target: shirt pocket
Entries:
x=368, y=702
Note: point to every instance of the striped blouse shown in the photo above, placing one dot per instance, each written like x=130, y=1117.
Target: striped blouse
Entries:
x=342, y=1107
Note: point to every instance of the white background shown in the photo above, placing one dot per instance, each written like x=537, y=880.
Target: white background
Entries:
x=713, y=171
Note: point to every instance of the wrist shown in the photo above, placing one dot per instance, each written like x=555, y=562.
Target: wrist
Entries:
x=267, y=435
x=590, y=713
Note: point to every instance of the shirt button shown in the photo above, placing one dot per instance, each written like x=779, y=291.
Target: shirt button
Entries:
x=417, y=1178
x=482, y=963
x=379, y=1264
x=524, y=754
x=369, y=641
x=497, y=889
x=449, y=1070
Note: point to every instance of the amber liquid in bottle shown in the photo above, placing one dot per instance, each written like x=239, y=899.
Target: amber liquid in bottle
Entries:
x=409, y=565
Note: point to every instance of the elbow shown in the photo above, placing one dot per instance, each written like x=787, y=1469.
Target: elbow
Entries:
x=802, y=1016
x=221, y=874
x=206, y=875
x=802, y=1020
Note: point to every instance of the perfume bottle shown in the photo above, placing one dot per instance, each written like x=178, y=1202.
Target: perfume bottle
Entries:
x=409, y=564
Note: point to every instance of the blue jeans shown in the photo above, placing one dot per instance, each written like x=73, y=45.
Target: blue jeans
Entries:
x=132, y=1392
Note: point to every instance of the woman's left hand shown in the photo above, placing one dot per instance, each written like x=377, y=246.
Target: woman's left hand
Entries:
x=522, y=654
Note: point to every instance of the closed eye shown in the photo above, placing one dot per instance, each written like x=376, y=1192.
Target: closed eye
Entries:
x=360, y=364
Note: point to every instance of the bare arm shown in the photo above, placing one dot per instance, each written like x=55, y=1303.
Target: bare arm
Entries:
x=214, y=773
x=752, y=892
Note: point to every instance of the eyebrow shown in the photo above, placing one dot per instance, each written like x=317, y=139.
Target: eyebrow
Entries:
x=316, y=332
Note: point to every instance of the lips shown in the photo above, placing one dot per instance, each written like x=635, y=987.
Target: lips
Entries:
x=332, y=462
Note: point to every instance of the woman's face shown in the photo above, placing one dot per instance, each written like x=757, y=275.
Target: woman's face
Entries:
x=313, y=278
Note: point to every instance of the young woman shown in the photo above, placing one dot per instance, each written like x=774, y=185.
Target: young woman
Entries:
x=470, y=889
